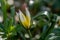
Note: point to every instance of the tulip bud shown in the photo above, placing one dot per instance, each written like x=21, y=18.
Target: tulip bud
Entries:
x=25, y=19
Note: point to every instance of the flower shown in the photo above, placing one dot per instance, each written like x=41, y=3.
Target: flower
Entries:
x=25, y=19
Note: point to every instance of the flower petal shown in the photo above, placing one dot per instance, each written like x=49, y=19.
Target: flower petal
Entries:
x=28, y=16
x=23, y=18
x=28, y=13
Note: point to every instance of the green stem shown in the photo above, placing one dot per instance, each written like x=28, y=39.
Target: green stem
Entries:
x=30, y=34
x=4, y=10
x=12, y=14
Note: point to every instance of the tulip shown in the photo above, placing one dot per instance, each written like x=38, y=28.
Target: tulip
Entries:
x=25, y=19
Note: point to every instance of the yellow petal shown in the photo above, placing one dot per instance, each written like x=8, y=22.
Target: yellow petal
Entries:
x=28, y=17
x=25, y=19
x=22, y=18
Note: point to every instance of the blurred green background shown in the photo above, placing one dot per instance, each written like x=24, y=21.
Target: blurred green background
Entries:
x=45, y=20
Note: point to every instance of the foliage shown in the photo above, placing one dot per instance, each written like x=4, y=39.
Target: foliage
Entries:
x=42, y=23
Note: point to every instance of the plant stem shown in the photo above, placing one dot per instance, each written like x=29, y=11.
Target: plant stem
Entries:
x=30, y=34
